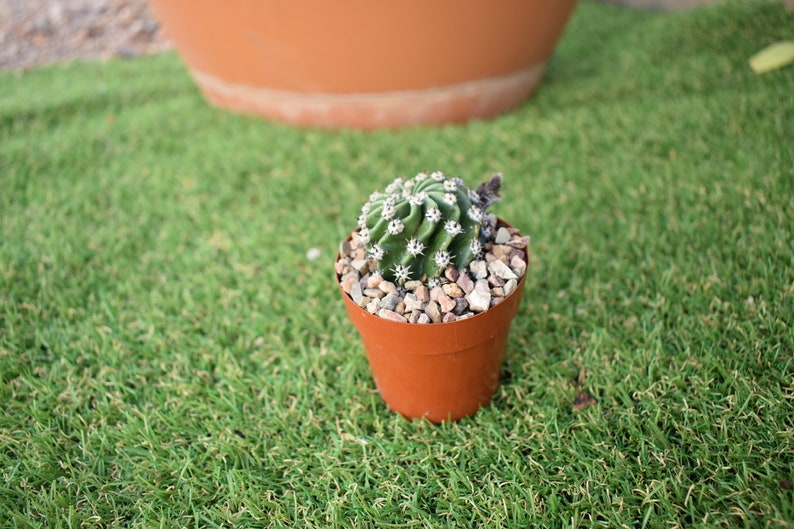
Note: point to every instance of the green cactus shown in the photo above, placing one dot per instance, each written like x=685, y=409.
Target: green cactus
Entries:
x=417, y=227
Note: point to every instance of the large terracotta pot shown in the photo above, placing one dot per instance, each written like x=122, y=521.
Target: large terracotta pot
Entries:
x=363, y=63
x=439, y=371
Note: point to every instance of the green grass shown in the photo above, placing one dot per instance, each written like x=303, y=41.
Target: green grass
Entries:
x=171, y=358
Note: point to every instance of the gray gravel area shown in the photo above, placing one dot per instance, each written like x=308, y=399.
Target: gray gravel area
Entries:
x=38, y=32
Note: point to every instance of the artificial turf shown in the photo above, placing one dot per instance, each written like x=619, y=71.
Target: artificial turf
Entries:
x=170, y=356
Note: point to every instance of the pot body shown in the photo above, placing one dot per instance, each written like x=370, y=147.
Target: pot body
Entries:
x=357, y=63
x=441, y=371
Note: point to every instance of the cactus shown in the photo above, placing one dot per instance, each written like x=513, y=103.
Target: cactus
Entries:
x=415, y=228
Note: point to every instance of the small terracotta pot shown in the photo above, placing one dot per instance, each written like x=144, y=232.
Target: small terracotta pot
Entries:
x=364, y=64
x=441, y=371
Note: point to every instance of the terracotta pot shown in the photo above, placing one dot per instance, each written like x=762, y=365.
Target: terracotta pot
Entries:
x=357, y=63
x=441, y=371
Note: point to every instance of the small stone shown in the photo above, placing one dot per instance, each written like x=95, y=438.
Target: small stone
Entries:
x=495, y=300
x=374, y=292
x=400, y=308
x=479, y=299
x=461, y=306
x=451, y=273
x=517, y=253
x=432, y=312
x=510, y=286
x=445, y=303
x=374, y=280
x=495, y=281
x=496, y=292
x=503, y=236
x=348, y=280
x=373, y=306
x=478, y=269
x=342, y=266
x=453, y=290
x=413, y=316
x=499, y=269
x=519, y=266
x=489, y=258
x=356, y=294
x=519, y=242
x=465, y=283
x=345, y=248
x=449, y=318
x=412, y=303
x=422, y=293
x=361, y=265
x=390, y=301
x=435, y=292
x=502, y=252
x=387, y=287
x=412, y=285
x=391, y=315
x=423, y=318
x=364, y=302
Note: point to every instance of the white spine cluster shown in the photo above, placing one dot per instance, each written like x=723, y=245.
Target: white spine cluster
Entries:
x=395, y=227
x=453, y=227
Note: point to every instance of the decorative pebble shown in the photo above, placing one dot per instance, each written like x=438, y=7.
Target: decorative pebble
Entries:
x=453, y=290
x=503, y=236
x=374, y=280
x=356, y=294
x=435, y=292
x=519, y=266
x=449, y=318
x=432, y=312
x=374, y=292
x=478, y=269
x=390, y=301
x=451, y=273
x=465, y=283
x=373, y=306
x=501, y=252
x=388, y=287
x=348, y=280
x=519, y=242
x=499, y=269
x=495, y=281
x=422, y=293
x=445, y=303
x=412, y=303
x=461, y=306
x=412, y=285
x=361, y=265
x=423, y=318
x=510, y=286
x=391, y=315
x=479, y=299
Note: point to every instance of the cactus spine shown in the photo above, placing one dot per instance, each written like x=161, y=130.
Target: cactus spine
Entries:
x=415, y=228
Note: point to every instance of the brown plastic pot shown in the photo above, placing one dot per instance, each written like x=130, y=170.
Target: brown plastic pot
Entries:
x=364, y=64
x=440, y=371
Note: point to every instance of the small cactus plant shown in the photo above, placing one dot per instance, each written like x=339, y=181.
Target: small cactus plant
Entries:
x=417, y=227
